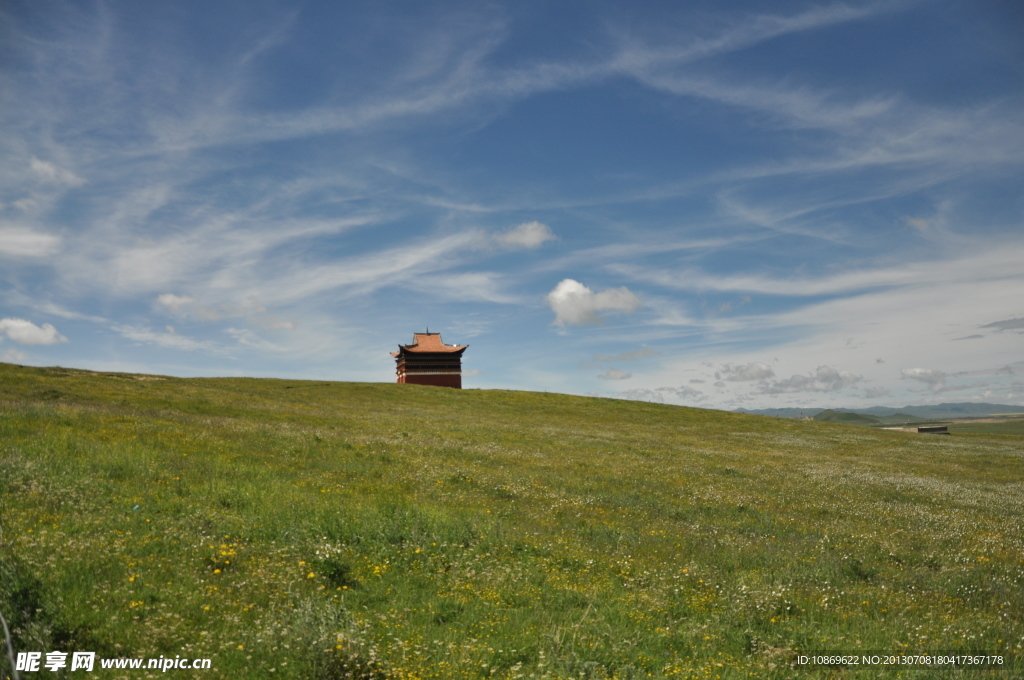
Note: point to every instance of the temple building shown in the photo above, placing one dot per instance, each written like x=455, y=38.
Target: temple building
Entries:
x=428, y=361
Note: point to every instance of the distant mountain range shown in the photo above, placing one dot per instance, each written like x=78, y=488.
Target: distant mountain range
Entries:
x=888, y=414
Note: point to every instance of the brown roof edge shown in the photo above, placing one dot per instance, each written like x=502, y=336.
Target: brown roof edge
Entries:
x=429, y=342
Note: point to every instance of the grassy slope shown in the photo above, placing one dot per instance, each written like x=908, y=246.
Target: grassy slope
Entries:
x=1012, y=427
x=831, y=416
x=304, y=530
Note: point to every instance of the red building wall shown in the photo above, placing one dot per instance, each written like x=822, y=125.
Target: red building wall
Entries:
x=437, y=380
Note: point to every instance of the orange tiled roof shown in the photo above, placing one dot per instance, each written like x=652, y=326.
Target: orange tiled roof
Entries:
x=429, y=342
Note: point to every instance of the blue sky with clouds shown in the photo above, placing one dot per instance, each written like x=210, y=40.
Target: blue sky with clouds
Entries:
x=723, y=204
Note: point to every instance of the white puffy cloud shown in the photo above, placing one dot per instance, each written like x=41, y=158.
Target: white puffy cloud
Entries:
x=575, y=304
x=745, y=372
x=526, y=235
x=824, y=379
x=21, y=241
x=936, y=380
x=615, y=374
x=27, y=333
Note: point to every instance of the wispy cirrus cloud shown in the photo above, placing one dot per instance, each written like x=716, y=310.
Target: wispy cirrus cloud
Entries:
x=360, y=275
x=247, y=337
x=23, y=241
x=51, y=174
x=218, y=252
x=185, y=305
x=747, y=31
x=469, y=286
x=168, y=337
x=457, y=75
x=998, y=263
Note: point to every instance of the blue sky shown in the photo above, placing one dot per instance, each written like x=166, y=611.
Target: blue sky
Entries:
x=719, y=204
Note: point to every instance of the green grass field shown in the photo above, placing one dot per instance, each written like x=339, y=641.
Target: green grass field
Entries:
x=316, y=530
x=1013, y=427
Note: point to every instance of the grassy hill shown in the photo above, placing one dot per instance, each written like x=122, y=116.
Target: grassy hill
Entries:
x=943, y=411
x=289, y=529
x=1009, y=427
x=830, y=416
